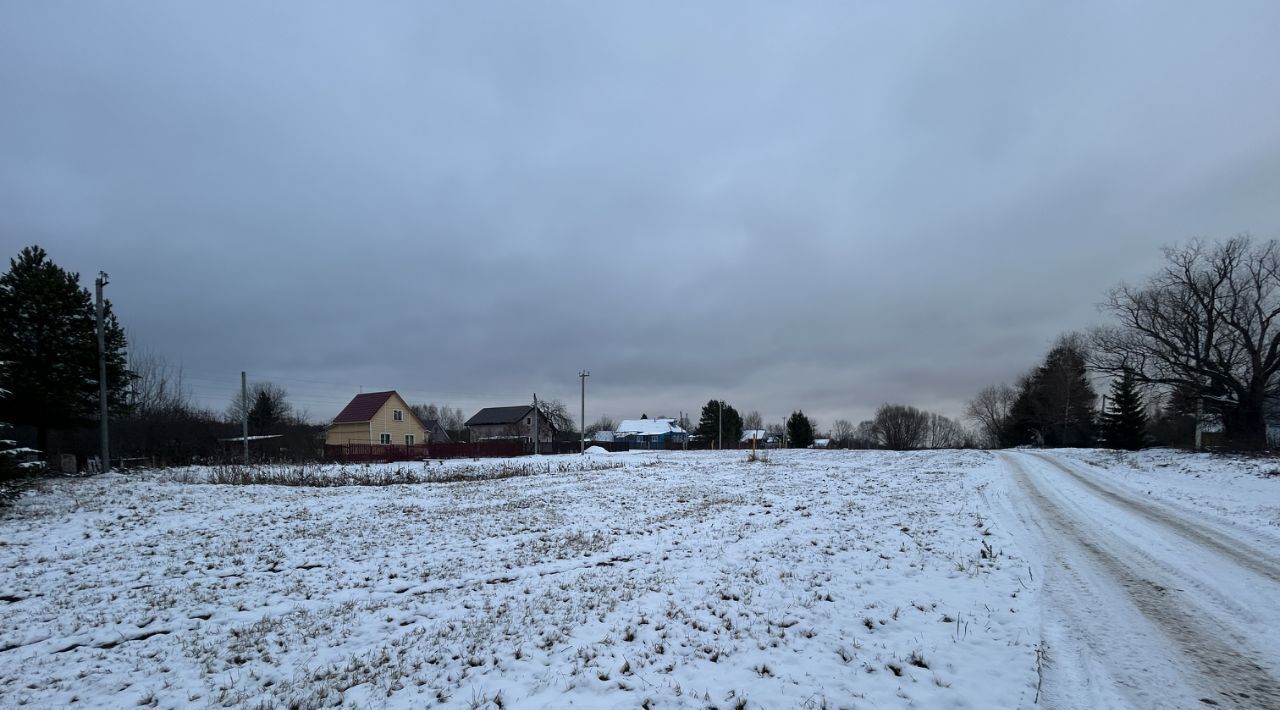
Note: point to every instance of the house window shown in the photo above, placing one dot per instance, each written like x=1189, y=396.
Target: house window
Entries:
x=397, y=415
x=385, y=438
x=527, y=420
x=408, y=439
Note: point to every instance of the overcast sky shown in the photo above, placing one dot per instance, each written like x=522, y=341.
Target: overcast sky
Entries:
x=810, y=205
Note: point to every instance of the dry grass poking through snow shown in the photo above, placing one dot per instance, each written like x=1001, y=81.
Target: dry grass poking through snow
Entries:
x=819, y=579
x=383, y=474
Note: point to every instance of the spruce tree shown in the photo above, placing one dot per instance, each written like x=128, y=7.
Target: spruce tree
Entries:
x=264, y=415
x=1055, y=402
x=799, y=431
x=8, y=453
x=1125, y=425
x=709, y=425
x=49, y=344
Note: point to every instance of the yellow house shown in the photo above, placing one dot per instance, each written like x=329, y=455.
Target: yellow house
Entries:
x=377, y=418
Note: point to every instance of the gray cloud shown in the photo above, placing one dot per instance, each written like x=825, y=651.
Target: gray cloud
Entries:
x=823, y=207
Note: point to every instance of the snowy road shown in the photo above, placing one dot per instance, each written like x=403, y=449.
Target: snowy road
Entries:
x=1146, y=604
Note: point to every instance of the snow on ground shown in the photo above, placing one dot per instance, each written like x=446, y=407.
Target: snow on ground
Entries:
x=1240, y=492
x=1158, y=576
x=819, y=578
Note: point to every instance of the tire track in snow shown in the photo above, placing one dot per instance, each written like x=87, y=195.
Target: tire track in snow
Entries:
x=1243, y=554
x=1226, y=667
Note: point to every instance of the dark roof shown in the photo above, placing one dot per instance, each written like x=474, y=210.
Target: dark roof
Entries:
x=499, y=415
x=362, y=407
x=435, y=430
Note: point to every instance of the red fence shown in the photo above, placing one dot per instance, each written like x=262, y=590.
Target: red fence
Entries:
x=386, y=453
x=374, y=453
x=500, y=448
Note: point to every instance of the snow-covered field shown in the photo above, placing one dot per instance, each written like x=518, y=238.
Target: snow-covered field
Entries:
x=817, y=579
x=1065, y=579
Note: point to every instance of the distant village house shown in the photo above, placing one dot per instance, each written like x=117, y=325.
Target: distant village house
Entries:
x=510, y=423
x=650, y=433
x=377, y=418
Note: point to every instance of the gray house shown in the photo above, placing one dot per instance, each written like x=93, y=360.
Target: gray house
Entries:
x=510, y=422
x=436, y=433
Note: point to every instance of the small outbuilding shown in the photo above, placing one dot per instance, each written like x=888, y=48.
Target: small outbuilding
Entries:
x=762, y=439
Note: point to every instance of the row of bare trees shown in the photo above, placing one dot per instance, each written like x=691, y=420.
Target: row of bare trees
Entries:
x=163, y=424
x=451, y=419
x=901, y=427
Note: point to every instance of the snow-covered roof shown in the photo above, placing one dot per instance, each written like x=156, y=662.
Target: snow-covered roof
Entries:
x=257, y=437
x=647, y=427
x=757, y=434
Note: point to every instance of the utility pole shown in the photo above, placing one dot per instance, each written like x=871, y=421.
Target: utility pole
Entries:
x=720, y=428
x=244, y=414
x=104, y=437
x=582, y=425
x=1199, y=421
x=535, y=424
x=1102, y=419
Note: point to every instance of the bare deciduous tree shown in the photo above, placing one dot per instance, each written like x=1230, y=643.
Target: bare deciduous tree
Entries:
x=157, y=387
x=989, y=411
x=753, y=420
x=604, y=423
x=451, y=418
x=864, y=435
x=842, y=432
x=1206, y=324
x=557, y=413
x=901, y=428
x=945, y=433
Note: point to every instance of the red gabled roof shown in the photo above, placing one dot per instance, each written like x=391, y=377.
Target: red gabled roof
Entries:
x=363, y=407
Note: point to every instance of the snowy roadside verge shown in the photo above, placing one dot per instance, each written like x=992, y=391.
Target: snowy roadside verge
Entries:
x=1236, y=492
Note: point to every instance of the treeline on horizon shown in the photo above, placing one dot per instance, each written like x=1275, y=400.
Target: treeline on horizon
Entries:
x=1198, y=342
x=1199, y=335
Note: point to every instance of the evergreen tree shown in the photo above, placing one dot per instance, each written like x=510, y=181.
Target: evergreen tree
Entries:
x=8, y=451
x=709, y=424
x=1125, y=426
x=265, y=414
x=799, y=431
x=8, y=467
x=49, y=343
x=1054, y=405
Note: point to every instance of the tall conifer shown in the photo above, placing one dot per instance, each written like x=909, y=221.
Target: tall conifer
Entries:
x=1124, y=424
x=49, y=344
